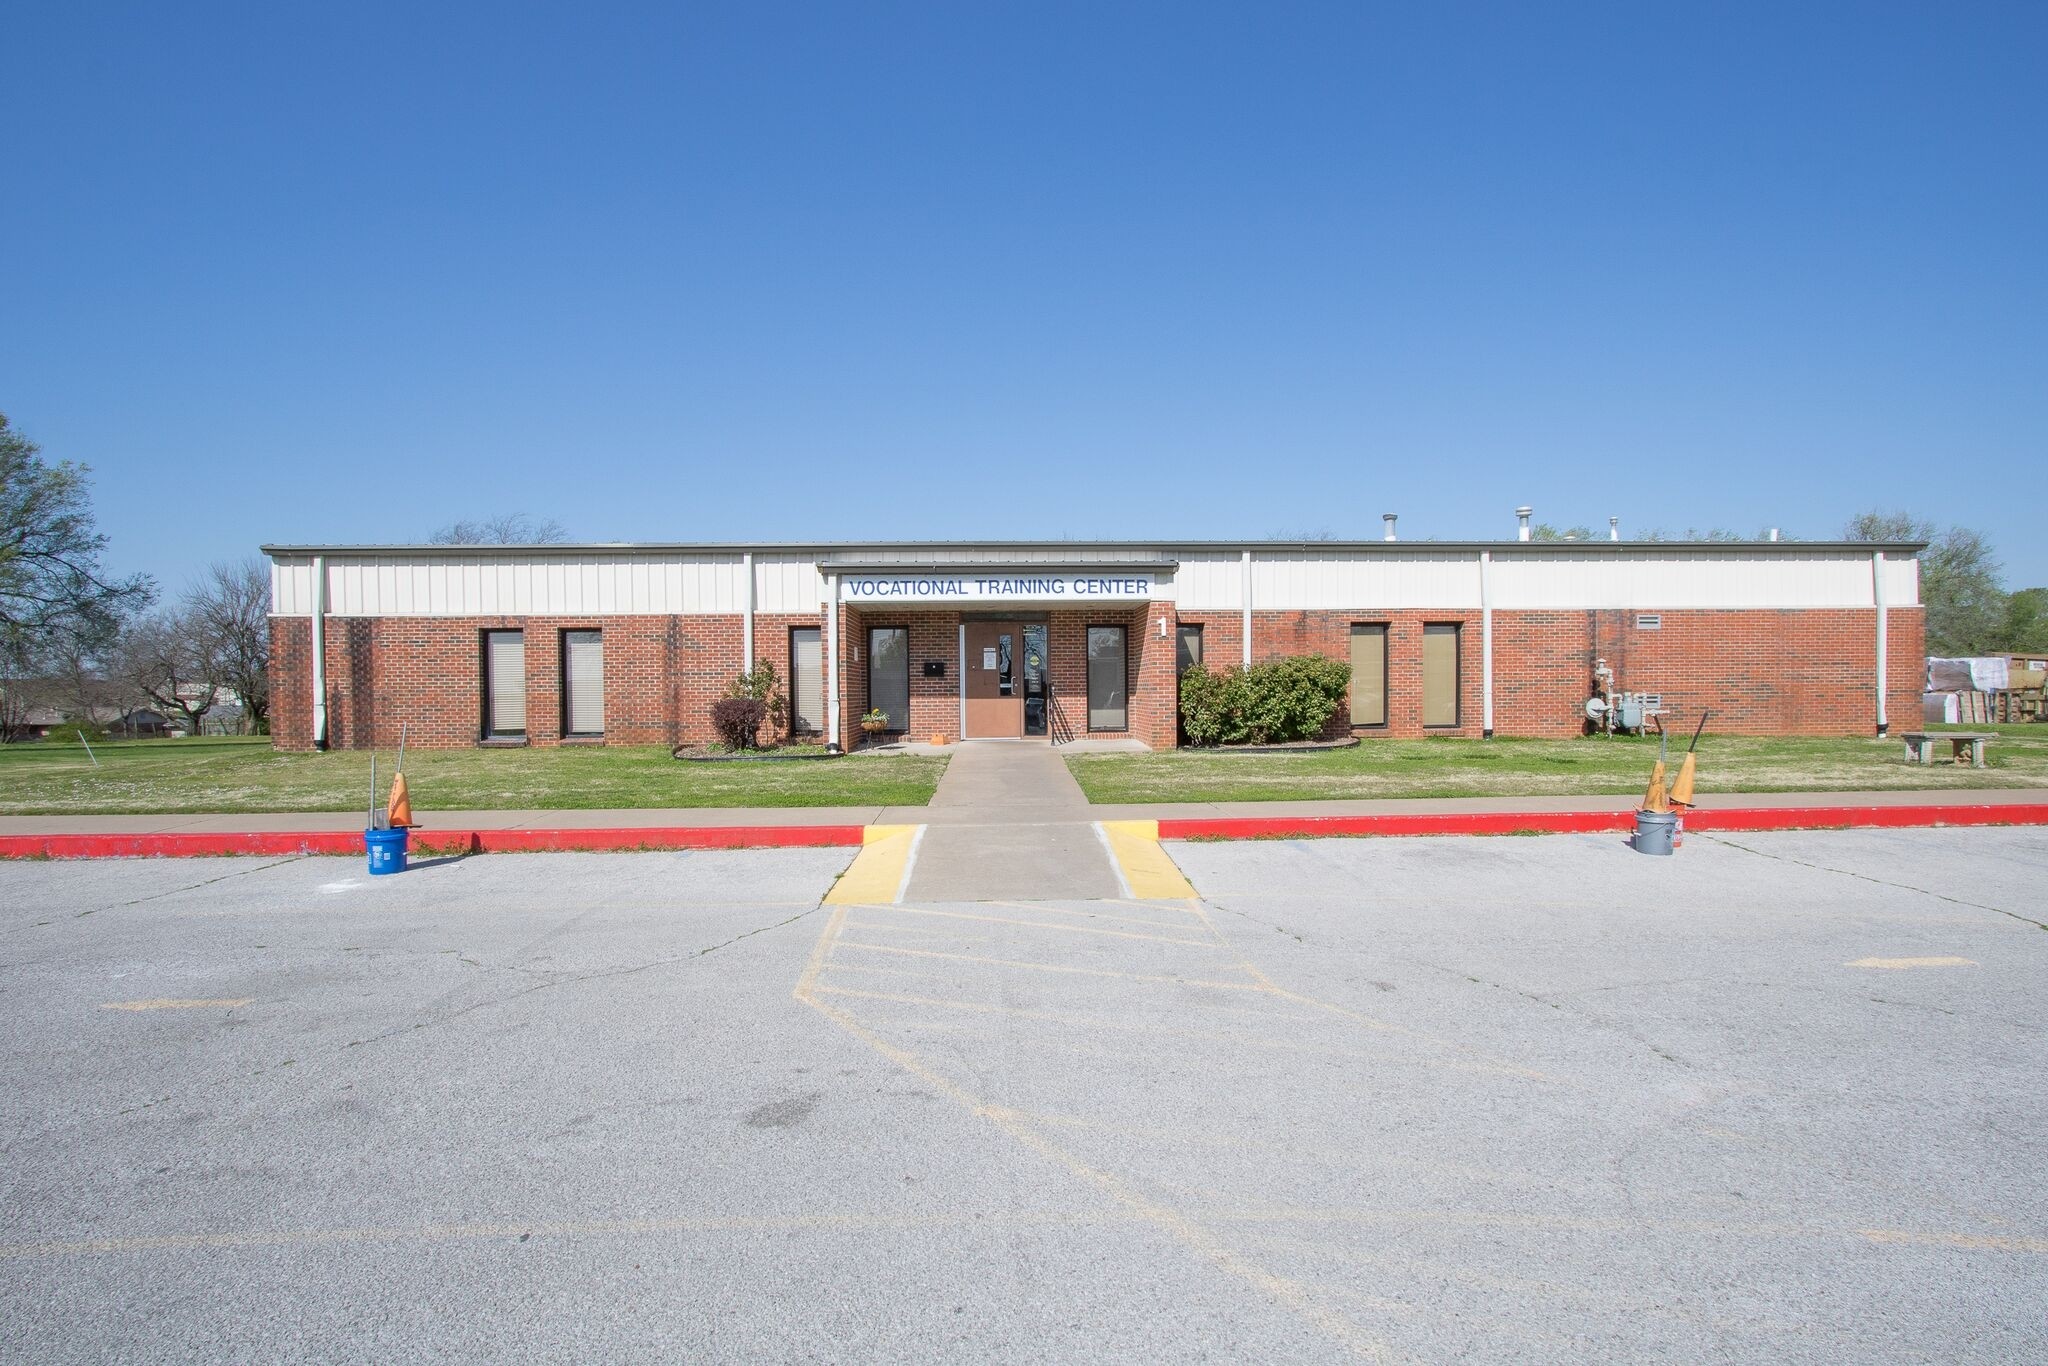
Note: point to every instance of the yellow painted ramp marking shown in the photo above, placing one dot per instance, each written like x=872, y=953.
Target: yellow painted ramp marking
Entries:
x=1144, y=865
x=168, y=1003
x=878, y=872
x=1913, y=963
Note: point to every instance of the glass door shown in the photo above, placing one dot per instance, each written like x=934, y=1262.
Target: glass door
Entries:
x=1034, y=679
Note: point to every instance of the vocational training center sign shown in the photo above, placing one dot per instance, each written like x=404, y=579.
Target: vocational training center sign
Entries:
x=952, y=585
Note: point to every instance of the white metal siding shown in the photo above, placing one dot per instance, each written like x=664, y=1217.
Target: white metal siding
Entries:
x=508, y=585
x=1901, y=581
x=788, y=583
x=1210, y=582
x=1679, y=579
x=1329, y=579
x=661, y=583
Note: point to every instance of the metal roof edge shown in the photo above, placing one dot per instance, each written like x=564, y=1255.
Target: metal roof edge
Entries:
x=831, y=547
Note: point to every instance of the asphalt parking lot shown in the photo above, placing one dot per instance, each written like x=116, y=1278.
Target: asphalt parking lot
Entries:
x=1777, y=1098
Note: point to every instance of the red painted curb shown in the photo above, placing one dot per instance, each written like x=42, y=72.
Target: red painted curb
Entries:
x=669, y=837
x=1597, y=822
x=430, y=842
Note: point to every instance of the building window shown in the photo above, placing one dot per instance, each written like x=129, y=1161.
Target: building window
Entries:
x=1369, y=675
x=1108, y=679
x=1440, y=674
x=806, y=681
x=889, y=674
x=583, y=683
x=1187, y=649
x=504, y=684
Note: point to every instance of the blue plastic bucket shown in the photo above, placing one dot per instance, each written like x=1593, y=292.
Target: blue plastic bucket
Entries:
x=1654, y=830
x=387, y=850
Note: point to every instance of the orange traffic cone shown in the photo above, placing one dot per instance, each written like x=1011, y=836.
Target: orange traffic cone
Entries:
x=1681, y=788
x=400, y=805
x=1654, y=799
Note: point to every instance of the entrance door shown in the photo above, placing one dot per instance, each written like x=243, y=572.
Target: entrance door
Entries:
x=993, y=681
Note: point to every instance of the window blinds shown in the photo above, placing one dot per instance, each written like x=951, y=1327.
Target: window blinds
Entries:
x=583, y=674
x=505, y=662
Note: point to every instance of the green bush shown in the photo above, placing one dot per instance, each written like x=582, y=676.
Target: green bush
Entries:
x=760, y=684
x=72, y=731
x=1269, y=703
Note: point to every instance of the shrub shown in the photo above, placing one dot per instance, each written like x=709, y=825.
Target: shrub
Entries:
x=72, y=731
x=761, y=684
x=1204, y=706
x=738, y=720
x=1270, y=703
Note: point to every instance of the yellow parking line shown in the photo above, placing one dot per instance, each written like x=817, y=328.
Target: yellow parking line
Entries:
x=1050, y=925
x=1047, y=967
x=1146, y=868
x=1913, y=963
x=877, y=873
x=168, y=1003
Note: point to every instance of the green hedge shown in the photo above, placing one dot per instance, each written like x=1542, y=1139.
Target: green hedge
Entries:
x=1269, y=703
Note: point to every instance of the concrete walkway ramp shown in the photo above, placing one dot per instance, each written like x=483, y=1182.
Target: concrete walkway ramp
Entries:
x=1009, y=823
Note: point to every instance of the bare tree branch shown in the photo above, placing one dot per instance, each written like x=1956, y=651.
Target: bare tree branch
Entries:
x=512, y=528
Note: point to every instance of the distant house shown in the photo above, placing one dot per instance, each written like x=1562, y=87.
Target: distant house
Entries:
x=132, y=723
x=37, y=722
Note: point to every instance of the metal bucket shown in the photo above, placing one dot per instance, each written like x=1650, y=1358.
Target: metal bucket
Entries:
x=1654, y=831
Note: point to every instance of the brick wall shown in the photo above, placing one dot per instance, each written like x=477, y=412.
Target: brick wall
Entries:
x=1804, y=671
x=661, y=675
x=1762, y=672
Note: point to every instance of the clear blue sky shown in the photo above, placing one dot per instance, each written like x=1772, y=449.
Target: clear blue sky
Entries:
x=965, y=270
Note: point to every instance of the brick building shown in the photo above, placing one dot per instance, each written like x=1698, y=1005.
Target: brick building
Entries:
x=630, y=644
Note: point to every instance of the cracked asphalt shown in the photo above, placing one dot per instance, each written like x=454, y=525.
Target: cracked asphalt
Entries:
x=1776, y=1098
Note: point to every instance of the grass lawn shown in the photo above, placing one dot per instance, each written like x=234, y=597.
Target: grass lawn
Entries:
x=248, y=775
x=1552, y=768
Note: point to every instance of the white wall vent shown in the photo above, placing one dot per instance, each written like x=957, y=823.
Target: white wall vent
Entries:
x=1649, y=621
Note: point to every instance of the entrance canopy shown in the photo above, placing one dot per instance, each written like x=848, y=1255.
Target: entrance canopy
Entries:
x=1046, y=584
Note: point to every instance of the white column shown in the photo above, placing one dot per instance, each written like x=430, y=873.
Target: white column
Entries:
x=1486, y=642
x=320, y=652
x=1883, y=637
x=832, y=661
x=747, y=620
x=1247, y=609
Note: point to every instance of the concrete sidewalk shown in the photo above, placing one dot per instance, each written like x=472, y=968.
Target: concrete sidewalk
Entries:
x=980, y=803
x=1009, y=822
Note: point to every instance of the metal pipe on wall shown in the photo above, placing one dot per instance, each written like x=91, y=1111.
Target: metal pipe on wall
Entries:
x=1486, y=643
x=1247, y=609
x=747, y=617
x=1883, y=637
x=832, y=663
x=319, y=652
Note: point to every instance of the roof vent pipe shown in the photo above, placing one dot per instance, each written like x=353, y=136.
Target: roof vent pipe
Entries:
x=1522, y=515
x=1388, y=518
x=1614, y=528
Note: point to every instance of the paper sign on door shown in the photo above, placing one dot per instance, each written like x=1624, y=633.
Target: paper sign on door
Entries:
x=988, y=657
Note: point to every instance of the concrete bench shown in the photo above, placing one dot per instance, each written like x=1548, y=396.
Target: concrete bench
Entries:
x=1920, y=745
